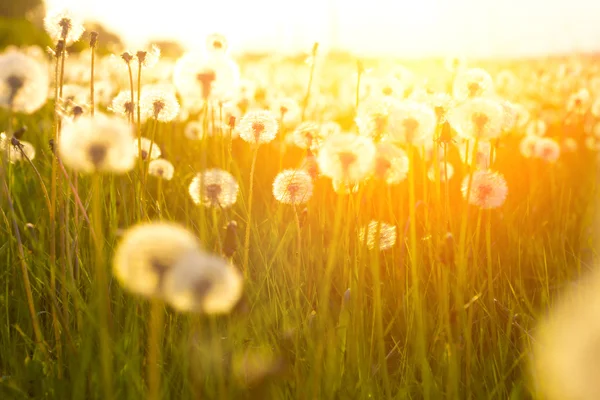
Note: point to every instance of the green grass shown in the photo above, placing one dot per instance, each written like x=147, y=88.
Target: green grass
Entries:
x=327, y=320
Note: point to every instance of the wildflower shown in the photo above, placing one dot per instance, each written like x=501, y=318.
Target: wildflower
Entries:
x=62, y=25
x=217, y=44
x=205, y=283
x=197, y=76
x=214, y=188
x=293, y=187
x=310, y=165
x=330, y=128
x=446, y=172
x=528, y=145
x=23, y=83
x=159, y=104
x=411, y=122
x=479, y=118
x=346, y=157
x=258, y=127
x=18, y=150
x=564, y=362
x=547, y=149
x=391, y=163
x=97, y=144
x=146, y=153
x=471, y=83
x=488, y=189
x=161, y=168
x=148, y=252
x=483, y=159
x=386, y=238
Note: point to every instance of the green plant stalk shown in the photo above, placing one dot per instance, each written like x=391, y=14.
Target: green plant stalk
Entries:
x=249, y=219
x=414, y=266
x=39, y=338
x=155, y=328
x=102, y=287
x=141, y=184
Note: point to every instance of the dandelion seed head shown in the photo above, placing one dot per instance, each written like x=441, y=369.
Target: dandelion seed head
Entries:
x=147, y=253
x=527, y=145
x=307, y=135
x=18, y=150
x=200, y=77
x=488, y=189
x=566, y=345
x=293, y=186
x=203, y=283
x=62, y=24
x=145, y=144
x=24, y=82
x=386, y=238
x=547, y=149
x=159, y=104
x=123, y=105
x=411, y=122
x=472, y=83
x=347, y=157
x=258, y=127
x=446, y=171
x=482, y=118
x=391, y=163
x=217, y=44
x=161, y=168
x=214, y=188
x=97, y=144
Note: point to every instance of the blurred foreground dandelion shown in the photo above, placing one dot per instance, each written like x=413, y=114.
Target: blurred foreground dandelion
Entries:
x=378, y=234
x=293, y=187
x=204, y=283
x=564, y=363
x=488, y=189
x=147, y=252
x=347, y=157
x=214, y=188
x=24, y=82
x=97, y=144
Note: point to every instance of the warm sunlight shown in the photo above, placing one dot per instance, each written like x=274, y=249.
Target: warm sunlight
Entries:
x=299, y=199
x=406, y=27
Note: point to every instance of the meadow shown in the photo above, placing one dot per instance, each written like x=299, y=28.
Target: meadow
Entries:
x=314, y=227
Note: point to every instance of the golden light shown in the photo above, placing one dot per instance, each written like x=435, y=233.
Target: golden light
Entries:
x=402, y=27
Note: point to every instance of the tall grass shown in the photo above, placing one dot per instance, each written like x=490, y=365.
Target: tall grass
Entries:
x=448, y=312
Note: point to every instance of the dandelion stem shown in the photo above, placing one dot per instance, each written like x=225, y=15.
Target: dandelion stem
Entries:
x=249, y=219
x=102, y=287
x=414, y=269
x=154, y=344
x=39, y=338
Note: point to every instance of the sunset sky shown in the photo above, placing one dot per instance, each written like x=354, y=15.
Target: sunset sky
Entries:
x=400, y=27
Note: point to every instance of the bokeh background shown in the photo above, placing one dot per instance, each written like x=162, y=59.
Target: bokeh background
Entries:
x=405, y=28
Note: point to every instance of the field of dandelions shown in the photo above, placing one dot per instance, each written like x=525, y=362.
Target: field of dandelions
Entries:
x=285, y=228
